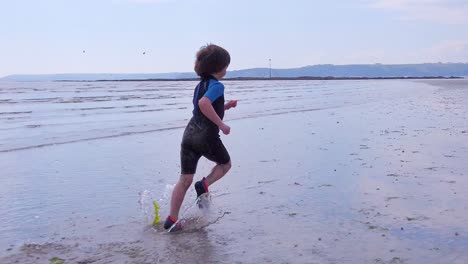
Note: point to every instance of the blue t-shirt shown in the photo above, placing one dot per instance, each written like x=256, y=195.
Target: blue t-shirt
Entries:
x=214, y=91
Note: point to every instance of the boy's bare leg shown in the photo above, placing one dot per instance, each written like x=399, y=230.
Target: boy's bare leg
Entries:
x=178, y=194
x=218, y=172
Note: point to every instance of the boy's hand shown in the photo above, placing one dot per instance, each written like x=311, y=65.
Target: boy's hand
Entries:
x=230, y=104
x=225, y=128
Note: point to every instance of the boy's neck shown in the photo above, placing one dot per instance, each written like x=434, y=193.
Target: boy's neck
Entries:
x=216, y=76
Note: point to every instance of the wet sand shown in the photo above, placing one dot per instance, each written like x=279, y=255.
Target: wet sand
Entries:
x=381, y=181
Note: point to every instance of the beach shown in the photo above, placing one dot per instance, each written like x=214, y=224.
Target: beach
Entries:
x=366, y=171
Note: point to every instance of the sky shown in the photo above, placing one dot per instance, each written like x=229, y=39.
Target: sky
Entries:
x=159, y=36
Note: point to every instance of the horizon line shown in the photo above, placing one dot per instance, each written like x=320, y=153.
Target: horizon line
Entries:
x=187, y=72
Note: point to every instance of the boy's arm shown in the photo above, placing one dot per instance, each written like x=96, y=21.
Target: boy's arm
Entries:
x=208, y=110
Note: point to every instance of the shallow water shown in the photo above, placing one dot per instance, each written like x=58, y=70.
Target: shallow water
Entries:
x=323, y=172
x=36, y=114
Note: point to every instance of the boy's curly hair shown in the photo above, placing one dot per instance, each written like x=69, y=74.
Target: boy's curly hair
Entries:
x=211, y=59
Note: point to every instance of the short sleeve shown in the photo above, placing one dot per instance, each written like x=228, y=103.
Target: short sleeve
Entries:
x=215, y=90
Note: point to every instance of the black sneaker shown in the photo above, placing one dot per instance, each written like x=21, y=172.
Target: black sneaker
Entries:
x=170, y=222
x=201, y=187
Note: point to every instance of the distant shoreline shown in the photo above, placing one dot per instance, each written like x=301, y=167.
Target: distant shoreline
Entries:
x=273, y=79
x=311, y=72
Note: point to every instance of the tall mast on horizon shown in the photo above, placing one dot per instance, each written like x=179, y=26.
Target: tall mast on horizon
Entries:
x=270, y=68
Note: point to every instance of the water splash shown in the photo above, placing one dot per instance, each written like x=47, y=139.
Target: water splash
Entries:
x=199, y=214
x=148, y=198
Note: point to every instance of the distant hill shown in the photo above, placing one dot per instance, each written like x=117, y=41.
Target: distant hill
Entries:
x=361, y=70
x=324, y=70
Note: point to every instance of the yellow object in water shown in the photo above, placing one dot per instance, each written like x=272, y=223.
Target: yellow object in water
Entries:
x=156, y=213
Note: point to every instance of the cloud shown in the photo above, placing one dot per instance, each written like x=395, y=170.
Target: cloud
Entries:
x=453, y=12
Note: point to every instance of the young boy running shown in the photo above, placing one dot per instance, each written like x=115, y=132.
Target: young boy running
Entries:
x=201, y=136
